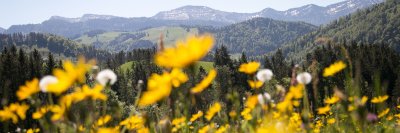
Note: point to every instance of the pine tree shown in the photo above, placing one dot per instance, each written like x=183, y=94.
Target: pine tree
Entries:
x=50, y=64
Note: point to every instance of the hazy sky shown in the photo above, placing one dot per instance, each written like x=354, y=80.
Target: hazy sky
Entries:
x=35, y=11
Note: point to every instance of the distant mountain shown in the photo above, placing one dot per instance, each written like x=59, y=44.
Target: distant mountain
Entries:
x=202, y=13
x=2, y=30
x=313, y=14
x=259, y=35
x=190, y=16
x=75, y=27
x=376, y=25
x=84, y=18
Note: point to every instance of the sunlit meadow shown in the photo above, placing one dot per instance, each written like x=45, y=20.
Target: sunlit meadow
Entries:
x=77, y=98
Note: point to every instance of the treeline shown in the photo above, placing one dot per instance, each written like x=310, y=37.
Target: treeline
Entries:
x=376, y=25
x=374, y=69
x=18, y=66
x=258, y=36
x=45, y=43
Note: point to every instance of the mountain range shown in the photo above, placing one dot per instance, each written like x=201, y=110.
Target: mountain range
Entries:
x=311, y=13
x=378, y=25
x=191, y=16
x=2, y=30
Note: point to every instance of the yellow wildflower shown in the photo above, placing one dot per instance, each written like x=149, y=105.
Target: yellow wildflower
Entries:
x=364, y=100
x=331, y=120
x=249, y=68
x=379, y=99
x=295, y=122
x=30, y=88
x=205, y=82
x=297, y=91
x=143, y=130
x=351, y=108
x=215, y=108
x=204, y=129
x=178, y=77
x=81, y=128
x=232, y=114
x=332, y=100
x=246, y=114
x=108, y=130
x=222, y=129
x=68, y=76
x=67, y=100
x=383, y=113
x=196, y=116
x=324, y=110
x=252, y=101
x=158, y=87
x=255, y=84
x=30, y=130
x=40, y=112
x=58, y=112
x=389, y=118
x=334, y=68
x=185, y=53
x=285, y=105
x=397, y=115
x=178, y=121
x=133, y=122
x=13, y=112
x=103, y=120
x=89, y=93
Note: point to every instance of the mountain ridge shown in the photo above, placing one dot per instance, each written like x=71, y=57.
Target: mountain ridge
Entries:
x=190, y=16
x=376, y=25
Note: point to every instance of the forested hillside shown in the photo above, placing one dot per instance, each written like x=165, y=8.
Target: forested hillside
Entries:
x=46, y=43
x=259, y=35
x=375, y=25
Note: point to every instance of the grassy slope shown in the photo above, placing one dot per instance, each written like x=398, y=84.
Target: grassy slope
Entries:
x=206, y=65
x=171, y=34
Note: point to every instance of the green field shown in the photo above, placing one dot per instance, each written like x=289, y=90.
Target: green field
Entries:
x=126, y=66
x=170, y=36
x=206, y=65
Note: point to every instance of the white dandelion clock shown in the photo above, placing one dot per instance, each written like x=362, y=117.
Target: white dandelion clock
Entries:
x=264, y=75
x=262, y=98
x=304, y=78
x=45, y=81
x=106, y=76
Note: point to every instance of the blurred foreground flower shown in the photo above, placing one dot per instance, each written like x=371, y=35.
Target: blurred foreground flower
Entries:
x=160, y=86
x=13, y=112
x=30, y=88
x=185, y=53
x=215, y=108
x=249, y=68
x=67, y=76
x=205, y=82
x=255, y=84
x=334, y=68
x=379, y=99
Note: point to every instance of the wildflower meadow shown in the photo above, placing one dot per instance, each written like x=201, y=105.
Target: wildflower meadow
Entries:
x=78, y=97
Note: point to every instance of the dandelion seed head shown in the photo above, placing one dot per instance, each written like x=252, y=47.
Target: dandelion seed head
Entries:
x=262, y=98
x=304, y=78
x=264, y=75
x=45, y=81
x=106, y=76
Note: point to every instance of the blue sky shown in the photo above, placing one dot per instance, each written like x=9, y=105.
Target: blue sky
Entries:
x=35, y=11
